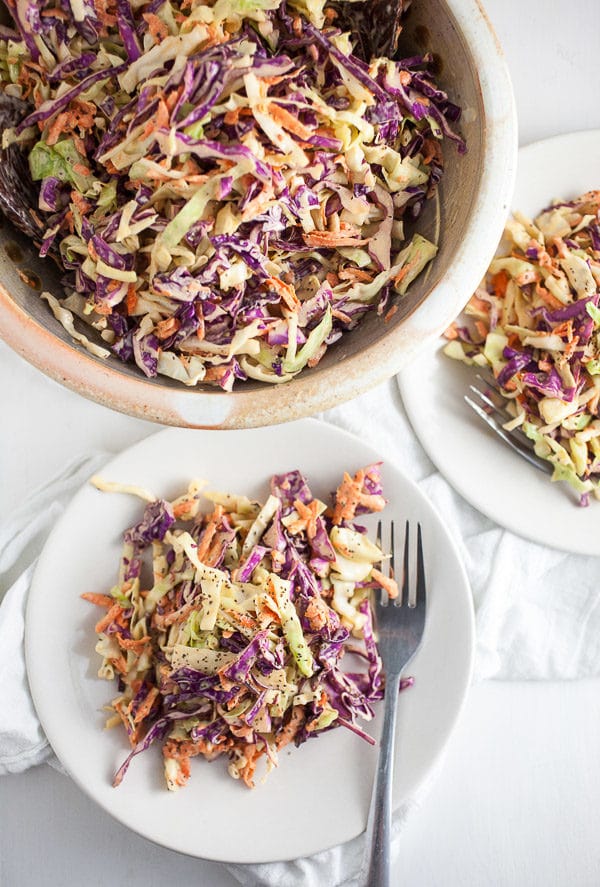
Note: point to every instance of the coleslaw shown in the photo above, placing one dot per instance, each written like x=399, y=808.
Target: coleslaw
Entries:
x=535, y=321
x=226, y=184
x=226, y=629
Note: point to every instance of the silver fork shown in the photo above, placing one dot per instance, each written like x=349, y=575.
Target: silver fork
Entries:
x=494, y=404
x=399, y=625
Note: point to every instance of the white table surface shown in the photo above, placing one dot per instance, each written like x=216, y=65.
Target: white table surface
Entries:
x=517, y=801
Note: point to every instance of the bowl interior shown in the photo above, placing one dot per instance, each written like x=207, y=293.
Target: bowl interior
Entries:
x=430, y=27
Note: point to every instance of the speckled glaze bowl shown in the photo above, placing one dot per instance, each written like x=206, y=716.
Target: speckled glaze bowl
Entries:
x=466, y=220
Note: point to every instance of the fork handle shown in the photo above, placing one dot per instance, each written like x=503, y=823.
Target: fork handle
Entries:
x=379, y=824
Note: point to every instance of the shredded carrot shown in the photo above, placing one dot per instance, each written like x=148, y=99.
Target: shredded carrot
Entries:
x=159, y=120
x=38, y=98
x=274, y=80
x=386, y=582
x=451, y=332
x=390, y=313
x=267, y=614
x=527, y=277
x=92, y=251
x=481, y=328
x=243, y=619
x=100, y=600
x=341, y=315
x=560, y=247
x=111, y=616
x=286, y=291
x=314, y=360
x=252, y=753
x=173, y=97
x=183, y=508
x=131, y=644
x=80, y=202
x=317, y=613
x=214, y=373
x=500, y=283
x=209, y=532
x=166, y=328
x=106, y=10
x=258, y=204
x=79, y=115
x=232, y=116
x=564, y=329
x=350, y=495
x=432, y=151
x=131, y=299
x=102, y=308
x=291, y=728
x=201, y=328
x=123, y=714
x=332, y=238
x=214, y=553
x=547, y=297
x=55, y=13
x=571, y=347
x=144, y=709
x=119, y=664
x=79, y=143
x=172, y=616
x=25, y=80
x=289, y=122
x=306, y=520
x=355, y=274
x=479, y=304
x=180, y=752
x=156, y=26
x=405, y=269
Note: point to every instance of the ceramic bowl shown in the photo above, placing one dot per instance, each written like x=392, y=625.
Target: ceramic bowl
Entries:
x=466, y=219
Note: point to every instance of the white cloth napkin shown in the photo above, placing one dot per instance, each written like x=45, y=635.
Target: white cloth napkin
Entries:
x=22, y=536
x=538, y=613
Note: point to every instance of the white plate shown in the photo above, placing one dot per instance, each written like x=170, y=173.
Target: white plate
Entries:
x=498, y=482
x=319, y=795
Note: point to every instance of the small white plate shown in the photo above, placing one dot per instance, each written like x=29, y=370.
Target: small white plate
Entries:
x=496, y=481
x=319, y=795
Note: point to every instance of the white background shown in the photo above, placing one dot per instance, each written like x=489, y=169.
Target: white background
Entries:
x=517, y=802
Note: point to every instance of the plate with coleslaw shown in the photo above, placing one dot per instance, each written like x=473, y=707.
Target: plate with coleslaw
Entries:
x=535, y=324
x=224, y=576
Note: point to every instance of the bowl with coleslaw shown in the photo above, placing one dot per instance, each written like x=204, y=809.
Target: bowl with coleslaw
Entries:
x=237, y=214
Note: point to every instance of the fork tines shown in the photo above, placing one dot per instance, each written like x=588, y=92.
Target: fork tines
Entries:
x=404, y=596
x=516, y=439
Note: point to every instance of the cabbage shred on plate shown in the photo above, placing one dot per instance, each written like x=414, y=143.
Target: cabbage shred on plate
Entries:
x=225, y=183
x=536, y=324
x=233, y=643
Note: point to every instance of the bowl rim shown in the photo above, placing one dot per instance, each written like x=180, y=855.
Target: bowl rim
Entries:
x=310, y=393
